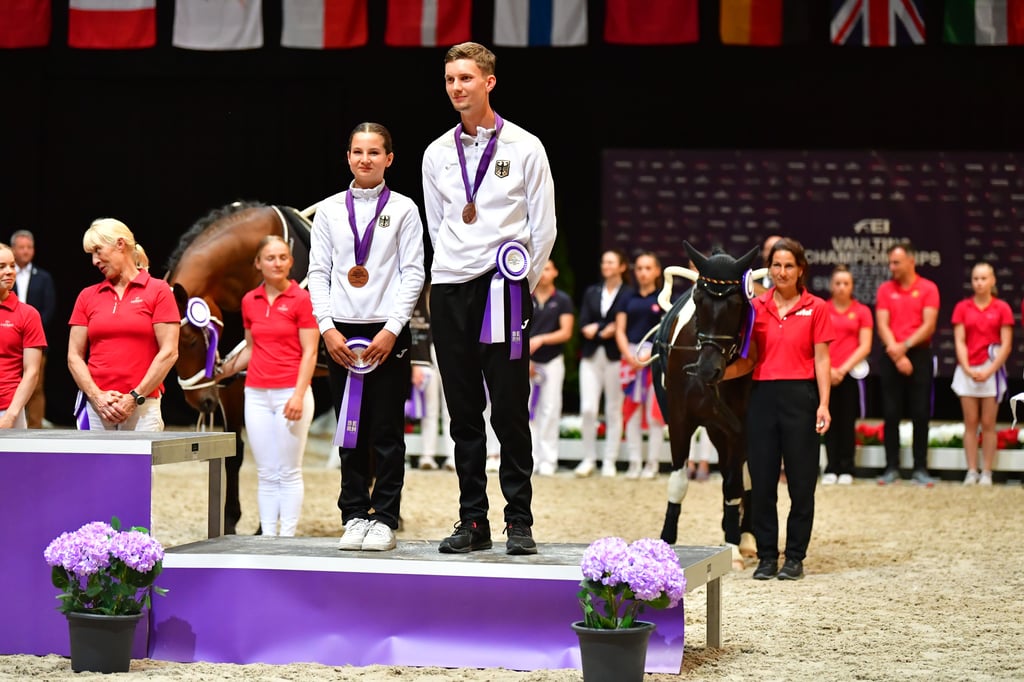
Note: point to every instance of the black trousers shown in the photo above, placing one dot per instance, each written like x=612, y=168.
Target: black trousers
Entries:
x=456, y=314
x=911, y=396
x=378, y=459
x=840, y=439
x=780, y=429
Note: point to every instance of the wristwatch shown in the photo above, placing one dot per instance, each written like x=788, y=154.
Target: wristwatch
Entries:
x=139, y=399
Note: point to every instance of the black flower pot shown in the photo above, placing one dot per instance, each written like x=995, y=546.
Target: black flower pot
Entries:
x=613, y=655
x=101, y=644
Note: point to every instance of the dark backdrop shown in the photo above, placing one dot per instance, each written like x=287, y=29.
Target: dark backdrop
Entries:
x=159, y=137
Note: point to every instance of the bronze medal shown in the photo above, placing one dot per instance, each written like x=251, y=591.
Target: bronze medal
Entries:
x=469, y=213
x=358, y=276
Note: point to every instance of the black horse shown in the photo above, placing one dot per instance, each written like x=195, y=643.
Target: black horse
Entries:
x=705, y=330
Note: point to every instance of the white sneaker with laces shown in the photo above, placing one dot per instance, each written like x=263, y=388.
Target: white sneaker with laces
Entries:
x=493, y=463
x=986, y=478
x=829, y=479
x=379, y=538
x=427, y=463
x=845, y=479
x=355, y=531
x=609, y=470
x=971, y=478
x=584, y=468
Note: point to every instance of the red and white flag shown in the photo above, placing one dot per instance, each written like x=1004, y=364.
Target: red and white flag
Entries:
x=112, y=24
x=24, y=23
x=428, y=23
x=218, y=24
x=319, y=24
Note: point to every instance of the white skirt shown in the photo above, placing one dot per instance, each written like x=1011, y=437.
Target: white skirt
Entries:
x=966, y=387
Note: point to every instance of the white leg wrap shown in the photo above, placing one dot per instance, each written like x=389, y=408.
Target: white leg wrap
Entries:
x=677, y=485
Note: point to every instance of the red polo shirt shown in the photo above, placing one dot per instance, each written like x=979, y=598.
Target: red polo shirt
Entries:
x=276, y=350
x=847, y=326
x=906, y=306
x=122, y=344
x=20, y=328
x=785, y=346
x=982, y=326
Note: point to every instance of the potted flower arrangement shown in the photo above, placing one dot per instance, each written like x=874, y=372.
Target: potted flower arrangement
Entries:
x=619, y=581
x=106, y=577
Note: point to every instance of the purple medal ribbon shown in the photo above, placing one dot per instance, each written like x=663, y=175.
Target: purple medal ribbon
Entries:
x=351, y=404
x=537, y=381
x=197, y=312
x=362, y=246
x=415, y=405
x=81, y=414
x=485, y=160
x=748, y=332
x=1000, y=374
x=513, y=264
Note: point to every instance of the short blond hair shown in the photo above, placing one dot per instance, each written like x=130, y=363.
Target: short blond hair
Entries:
x=106, y=231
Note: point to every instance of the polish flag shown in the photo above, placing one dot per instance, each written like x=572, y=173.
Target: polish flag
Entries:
x=112, y=24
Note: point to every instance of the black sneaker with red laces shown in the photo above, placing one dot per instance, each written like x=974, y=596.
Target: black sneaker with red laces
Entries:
x=520, y=539
x=469, y=536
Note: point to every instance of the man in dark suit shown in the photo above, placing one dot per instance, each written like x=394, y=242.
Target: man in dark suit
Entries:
x=34, y=286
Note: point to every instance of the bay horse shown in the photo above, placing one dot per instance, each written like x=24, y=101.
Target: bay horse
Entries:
x=706, y=329
x=210, y=271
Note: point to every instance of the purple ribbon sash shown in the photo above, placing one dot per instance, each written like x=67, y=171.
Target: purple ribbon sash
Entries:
x=415, y=405
x=351, y=403
x=513, y=265
x=362, y=246
x=537, y=381
x=81, y=414
x=485, y=160
x=1000, y=374
x=197, y=313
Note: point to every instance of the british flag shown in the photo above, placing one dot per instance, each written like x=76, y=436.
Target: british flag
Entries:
x=877, y=23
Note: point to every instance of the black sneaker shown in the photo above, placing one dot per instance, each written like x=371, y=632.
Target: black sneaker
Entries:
x=469, y=536
x=766, y=569
x=792, y=569
x=520, y=539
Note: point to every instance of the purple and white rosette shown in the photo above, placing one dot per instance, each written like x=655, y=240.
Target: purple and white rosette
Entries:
x=513, y=262
x=352, y=402
x=536, y=387
x=197, y=313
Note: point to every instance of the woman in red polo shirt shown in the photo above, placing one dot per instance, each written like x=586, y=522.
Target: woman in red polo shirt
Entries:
x=22, y=343
x=788, y=408
x=983, y=333
x=281, y=338
x=127, y=327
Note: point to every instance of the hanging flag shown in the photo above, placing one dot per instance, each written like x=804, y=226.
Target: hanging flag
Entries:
x=218, y=24
x=320, y=24
x=24, y=23
x=763, y=22
x=540, y=23
x=984, y=22
x=427, y=23
x=112, y=24
x=877, y=23
x=652, y=22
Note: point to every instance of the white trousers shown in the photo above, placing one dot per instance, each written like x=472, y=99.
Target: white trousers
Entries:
x=278, y=446
x=146, y=417
x=600, y=375
x=547, y=412
x=20, y=422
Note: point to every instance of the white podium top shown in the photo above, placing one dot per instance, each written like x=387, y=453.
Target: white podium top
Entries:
x=166, y=447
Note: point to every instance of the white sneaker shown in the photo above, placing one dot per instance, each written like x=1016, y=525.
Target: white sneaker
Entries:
x=493, y=463
x=829, y=479
x=845, y=479
x=355, y=531
x=427, y=463
x=546, y=469
x=633, y=472
x=650, y=471
x=971, y=478
x=584, y=468
x=449, y=464
x=986, y=478
x=608, y=469
x=379, y=538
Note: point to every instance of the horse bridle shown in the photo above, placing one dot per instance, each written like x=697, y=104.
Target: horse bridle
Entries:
x=717, y=340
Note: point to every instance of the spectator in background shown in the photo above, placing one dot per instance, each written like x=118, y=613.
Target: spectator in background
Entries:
x=853, y=327
x=983, y=334
x=599, y=362
x=552, y=326
x=22, y=342
x=34, y=286
x=124, y=336
x=637, y=316
x=906, y=312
